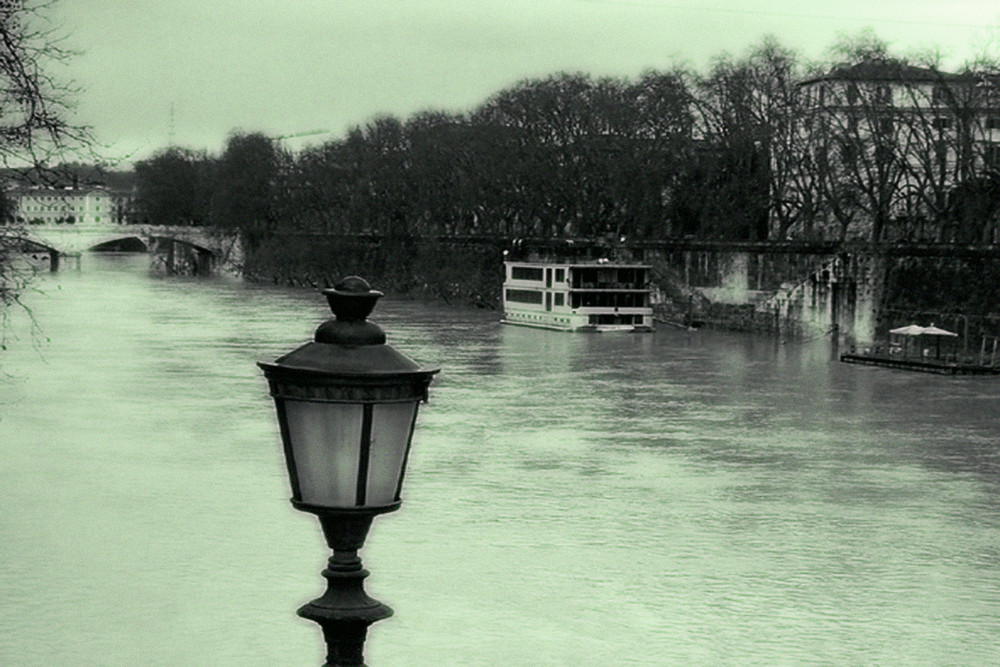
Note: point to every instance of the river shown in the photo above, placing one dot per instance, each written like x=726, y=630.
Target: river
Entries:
x=672, y=498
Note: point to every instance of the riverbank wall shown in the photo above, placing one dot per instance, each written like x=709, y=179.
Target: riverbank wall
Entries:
x=855, y=293
x=460, y=271
x=800, y=291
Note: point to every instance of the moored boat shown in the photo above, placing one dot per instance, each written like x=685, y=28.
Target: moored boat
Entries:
x=578, y=295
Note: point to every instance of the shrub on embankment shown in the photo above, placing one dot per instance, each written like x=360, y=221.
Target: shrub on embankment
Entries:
x=457, y=271
x=956, y=293
x=945, y=284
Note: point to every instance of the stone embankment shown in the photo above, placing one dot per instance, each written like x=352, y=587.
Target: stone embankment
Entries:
x=857, y=292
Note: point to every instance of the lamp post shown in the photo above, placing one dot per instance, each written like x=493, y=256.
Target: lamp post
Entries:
x=346, y=405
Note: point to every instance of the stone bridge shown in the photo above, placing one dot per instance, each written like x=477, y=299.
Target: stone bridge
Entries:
x=176, y=249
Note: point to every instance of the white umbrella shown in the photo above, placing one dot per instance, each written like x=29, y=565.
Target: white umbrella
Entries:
x=935, y=331
x=909, y=330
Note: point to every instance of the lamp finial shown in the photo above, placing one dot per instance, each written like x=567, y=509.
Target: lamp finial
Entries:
x=351, y=300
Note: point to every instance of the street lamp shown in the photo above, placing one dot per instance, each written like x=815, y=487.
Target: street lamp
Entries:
x=347, y=406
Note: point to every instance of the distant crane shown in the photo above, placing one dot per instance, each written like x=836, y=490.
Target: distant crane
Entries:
x=295, y=135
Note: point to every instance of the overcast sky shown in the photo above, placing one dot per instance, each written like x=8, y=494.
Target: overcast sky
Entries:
x=293, y=66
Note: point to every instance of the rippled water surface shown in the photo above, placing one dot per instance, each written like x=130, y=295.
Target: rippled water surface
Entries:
x=673, y=498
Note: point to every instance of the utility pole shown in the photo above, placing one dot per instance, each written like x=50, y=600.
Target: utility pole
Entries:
x=170, y=127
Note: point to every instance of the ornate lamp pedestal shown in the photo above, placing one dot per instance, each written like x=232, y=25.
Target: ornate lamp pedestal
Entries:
x=345, y=611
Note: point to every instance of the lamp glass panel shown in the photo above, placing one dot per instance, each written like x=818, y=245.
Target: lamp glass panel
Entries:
x=391, y=424
x=326, y=444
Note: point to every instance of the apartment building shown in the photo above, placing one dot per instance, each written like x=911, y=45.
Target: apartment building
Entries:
x=892, y=151
x=69, y=205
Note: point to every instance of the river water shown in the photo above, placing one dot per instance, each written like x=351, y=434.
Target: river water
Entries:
x=672, y=498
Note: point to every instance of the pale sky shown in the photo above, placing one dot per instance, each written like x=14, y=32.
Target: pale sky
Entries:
x=292, y=66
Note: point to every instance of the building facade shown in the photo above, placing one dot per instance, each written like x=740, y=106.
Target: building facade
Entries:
x=891, y=151
x=69, y=205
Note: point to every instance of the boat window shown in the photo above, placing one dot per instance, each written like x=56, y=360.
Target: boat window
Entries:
x=615, y=319
x=560, y=300
x=524, y=296
x=526, y=273
x=609, y=300
x=548, y=301
x=560, y=275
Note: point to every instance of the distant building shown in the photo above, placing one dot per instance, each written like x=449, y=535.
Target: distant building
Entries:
x=123, y=202
x=887, y=150
x=83, y=206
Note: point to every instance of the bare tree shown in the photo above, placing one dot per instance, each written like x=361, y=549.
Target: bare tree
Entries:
x=942, y=129
x=747, y=112
x=174, y=187
x=35, y=105
x=594, y=157
x=850, y=136
x=898, y=149
x=247, y=183
x=34, y=121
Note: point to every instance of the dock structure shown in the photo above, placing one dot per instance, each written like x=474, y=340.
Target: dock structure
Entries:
x=938, y=366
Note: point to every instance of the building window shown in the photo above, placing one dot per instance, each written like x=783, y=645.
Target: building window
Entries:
x=939, y=95
x=848, y=154
x=941, y=123
x=991, y=156
x=993, y=123
x=941, y=153
x=852, y=93
x=883, y=155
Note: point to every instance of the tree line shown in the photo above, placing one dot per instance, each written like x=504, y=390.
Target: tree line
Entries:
x=738, y=152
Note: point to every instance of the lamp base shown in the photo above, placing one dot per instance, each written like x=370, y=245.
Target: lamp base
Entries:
x=345, y=611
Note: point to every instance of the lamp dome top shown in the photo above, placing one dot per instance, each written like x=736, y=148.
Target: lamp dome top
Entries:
x=348, y=360
x=353, y=285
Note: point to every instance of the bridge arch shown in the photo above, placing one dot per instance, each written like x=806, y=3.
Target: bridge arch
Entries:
x=32, y=244
x=131, y=243
x=178, y=255
x=39, y=250
x=158, y=238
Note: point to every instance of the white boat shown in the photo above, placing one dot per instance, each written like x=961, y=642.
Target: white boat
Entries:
x=592, y=295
